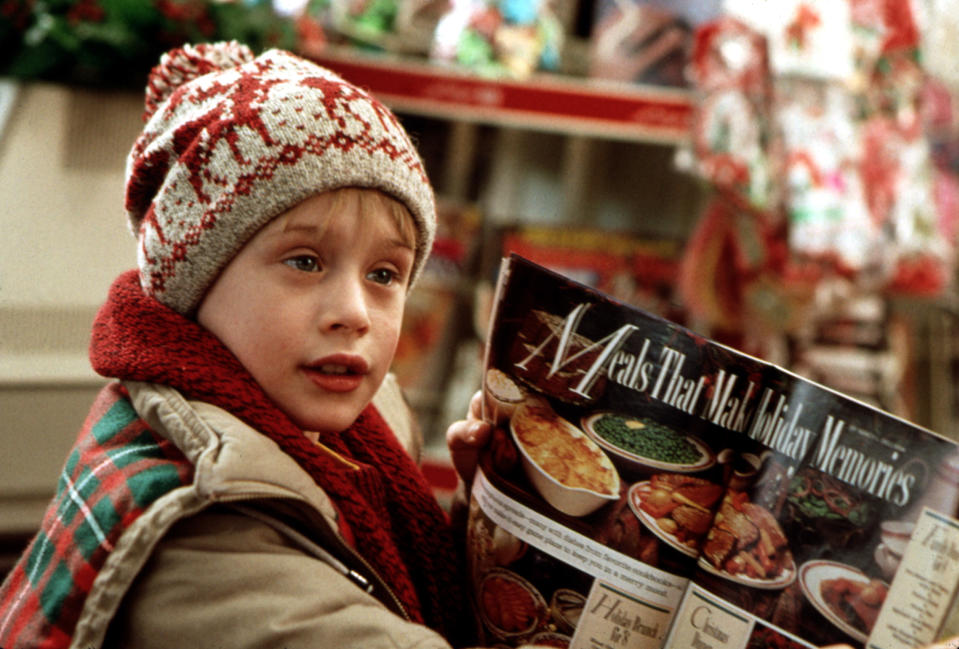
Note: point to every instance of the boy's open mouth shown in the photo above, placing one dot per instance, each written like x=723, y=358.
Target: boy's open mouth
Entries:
x=339, y=374
x=334, y=369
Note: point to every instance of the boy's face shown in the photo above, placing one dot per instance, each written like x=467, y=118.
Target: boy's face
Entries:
x=312, y=305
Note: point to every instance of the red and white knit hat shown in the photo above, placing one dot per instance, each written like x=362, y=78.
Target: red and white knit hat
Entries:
x=232, y=140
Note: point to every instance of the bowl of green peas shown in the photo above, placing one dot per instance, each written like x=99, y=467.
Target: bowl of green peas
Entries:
x=642, y=444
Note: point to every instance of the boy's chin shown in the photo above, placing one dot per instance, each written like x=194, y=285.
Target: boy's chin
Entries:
x=329, y=422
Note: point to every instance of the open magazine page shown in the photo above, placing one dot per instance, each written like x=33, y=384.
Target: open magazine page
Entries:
x=814, y=525
x=646, y=487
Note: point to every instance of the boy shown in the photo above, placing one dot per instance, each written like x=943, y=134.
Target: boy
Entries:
x=241, y=483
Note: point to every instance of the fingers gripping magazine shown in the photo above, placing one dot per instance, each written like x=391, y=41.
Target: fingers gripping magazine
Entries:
x=646, y=488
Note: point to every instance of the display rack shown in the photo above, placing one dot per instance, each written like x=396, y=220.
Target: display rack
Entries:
x=546, y=102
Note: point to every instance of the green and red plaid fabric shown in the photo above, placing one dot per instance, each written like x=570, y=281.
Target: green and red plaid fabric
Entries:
x=116, y=469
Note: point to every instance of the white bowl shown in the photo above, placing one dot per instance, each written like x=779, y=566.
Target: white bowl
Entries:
x=549, y=480
x=896, y=535
x=503, y=395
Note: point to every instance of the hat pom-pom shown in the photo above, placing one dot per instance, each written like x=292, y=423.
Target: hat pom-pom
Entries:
x=186, y=63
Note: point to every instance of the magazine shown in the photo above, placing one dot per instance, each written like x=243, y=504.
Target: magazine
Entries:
x=646, y=487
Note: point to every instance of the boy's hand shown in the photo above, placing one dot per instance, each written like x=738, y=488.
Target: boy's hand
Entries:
x=466, y=438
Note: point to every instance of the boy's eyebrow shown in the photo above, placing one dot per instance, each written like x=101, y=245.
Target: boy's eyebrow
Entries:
x=395, y=242
x=293, y=227
x=401, y=243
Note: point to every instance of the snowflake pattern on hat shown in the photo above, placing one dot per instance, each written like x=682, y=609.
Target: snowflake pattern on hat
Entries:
x=232, y=141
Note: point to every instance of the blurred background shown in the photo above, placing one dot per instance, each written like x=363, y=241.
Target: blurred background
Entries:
x=779, y=176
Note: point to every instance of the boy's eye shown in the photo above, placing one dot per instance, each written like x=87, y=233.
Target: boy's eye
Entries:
x=383, y=276
x=306, y=263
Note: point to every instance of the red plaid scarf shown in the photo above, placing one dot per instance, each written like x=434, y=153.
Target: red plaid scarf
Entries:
x=116, y=469
x=393, y=519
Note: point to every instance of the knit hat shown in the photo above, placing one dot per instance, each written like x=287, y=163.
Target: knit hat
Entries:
x=232, y=141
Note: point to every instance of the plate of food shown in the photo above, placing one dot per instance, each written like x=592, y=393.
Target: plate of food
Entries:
x=777, y=582
x=676, y=508
x=747, y=545
x=846, y=596
x=642, y=443
x=510, y=606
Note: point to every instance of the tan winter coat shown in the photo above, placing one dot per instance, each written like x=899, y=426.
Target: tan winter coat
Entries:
x=248, y=556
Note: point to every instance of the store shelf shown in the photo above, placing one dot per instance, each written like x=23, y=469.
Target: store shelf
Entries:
x=545, y=102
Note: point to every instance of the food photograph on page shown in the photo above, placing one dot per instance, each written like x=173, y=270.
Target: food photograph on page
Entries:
x=641, y=462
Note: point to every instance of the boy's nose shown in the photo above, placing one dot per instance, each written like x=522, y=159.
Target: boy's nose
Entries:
x=346, y=307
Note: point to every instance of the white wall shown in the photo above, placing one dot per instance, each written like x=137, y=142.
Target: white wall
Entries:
x=63, y=239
